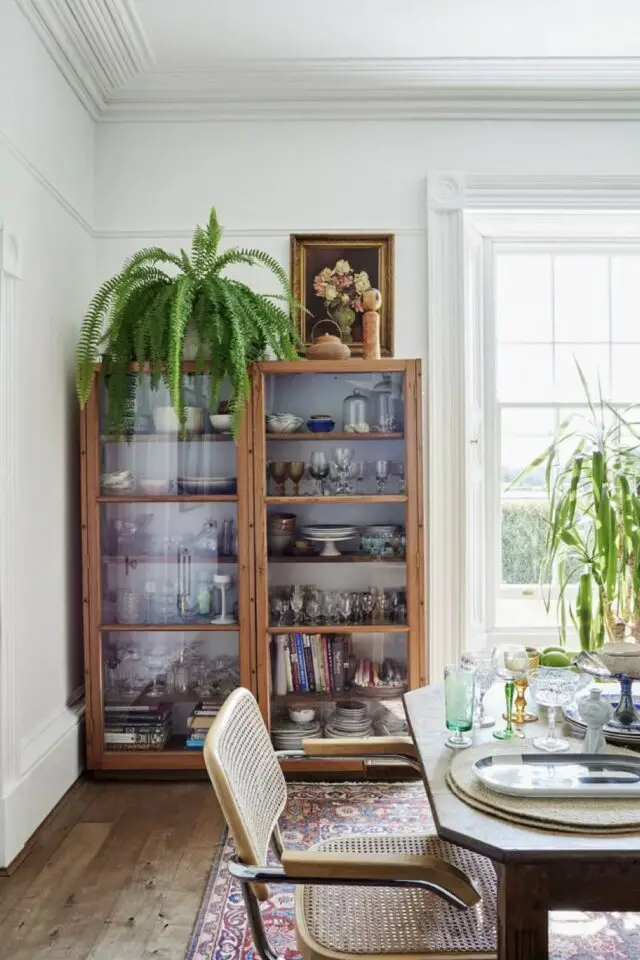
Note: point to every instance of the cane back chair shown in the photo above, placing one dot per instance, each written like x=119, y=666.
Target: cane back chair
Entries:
x=392, y=896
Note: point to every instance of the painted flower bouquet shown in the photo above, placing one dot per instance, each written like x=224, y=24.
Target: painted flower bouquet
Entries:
x=342, y=288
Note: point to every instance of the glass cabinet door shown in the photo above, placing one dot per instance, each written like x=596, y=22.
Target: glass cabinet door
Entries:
x=174, y=609
x=338, y=607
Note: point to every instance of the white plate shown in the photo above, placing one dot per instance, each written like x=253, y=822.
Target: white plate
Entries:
x=536, y=775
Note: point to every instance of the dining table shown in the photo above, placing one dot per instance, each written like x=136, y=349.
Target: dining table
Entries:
x=538, y=870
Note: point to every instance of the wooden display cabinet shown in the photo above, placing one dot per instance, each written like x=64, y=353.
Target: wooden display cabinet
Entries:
x=336, y=655
x=153, y=648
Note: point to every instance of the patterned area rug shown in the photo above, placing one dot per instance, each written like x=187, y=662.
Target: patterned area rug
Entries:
x=319, y=811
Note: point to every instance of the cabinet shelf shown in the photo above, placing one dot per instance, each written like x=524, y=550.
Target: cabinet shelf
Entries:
x=341, y=628
x=169, y=627
x=169, y=498
x=169, y=438
x=343, y=558
x=335, y=435
x=373, y=498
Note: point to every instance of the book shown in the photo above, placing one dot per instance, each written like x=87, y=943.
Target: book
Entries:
x=325, y=655
x=295, y=671
x=304, y=682
x=308, y=662
x=287, y=663
x=329, y=643
x=338, y=664
x=136, y=707
x=200, y=722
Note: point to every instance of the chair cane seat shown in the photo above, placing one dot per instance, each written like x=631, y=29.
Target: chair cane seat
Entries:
x=340, y=922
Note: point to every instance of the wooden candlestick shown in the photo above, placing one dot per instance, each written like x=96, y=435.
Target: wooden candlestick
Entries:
x=371, y=301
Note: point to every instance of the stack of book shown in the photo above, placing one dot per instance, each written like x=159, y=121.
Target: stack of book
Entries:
x=315, y=663
x=135, y=726
x=203, y=715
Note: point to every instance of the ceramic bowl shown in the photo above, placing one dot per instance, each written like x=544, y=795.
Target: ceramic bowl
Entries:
x=279, y=542
x=621, y=658
x=165, y=420
x=153, y=488
x=221, y=422
x=283, y=423
x=320, y=425
x=301, y=714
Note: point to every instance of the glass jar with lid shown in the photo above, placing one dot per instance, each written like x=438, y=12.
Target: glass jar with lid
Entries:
x=387, y=405
x=355, y=410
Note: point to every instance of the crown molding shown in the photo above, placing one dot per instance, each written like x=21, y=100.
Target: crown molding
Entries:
x=98, y=45
x=372, y=89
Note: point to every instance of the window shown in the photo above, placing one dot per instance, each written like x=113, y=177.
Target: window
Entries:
x=553, y=305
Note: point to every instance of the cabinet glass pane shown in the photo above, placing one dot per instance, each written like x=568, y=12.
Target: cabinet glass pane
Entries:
x=161, y=690
x=156, y=460
x=169, y=563
x=328, y=685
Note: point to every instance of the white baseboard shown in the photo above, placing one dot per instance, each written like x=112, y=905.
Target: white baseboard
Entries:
x=32, y=798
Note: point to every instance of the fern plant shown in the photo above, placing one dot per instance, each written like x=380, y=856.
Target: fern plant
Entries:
x=141, y=316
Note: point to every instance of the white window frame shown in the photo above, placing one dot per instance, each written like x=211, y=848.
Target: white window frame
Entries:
x=491, y=208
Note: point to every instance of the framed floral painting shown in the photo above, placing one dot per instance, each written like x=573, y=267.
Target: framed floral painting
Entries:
x=330, y=272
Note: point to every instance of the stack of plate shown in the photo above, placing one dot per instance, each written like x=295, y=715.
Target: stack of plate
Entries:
x=349, y=720
x=287, y=735
x=613, y=732
x=329, y=531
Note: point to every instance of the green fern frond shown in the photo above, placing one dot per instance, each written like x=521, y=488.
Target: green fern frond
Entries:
x=181, y=309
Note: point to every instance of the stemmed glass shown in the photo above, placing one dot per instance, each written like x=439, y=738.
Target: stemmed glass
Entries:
x=278, y=471
x=156, y=661
x=367, y=601
x=343, y=457
x=397, y=470
x=459, y=699
x=485, y=663
x=356, y=473
x=312, y=607
x=383, y=468
x=295, y=471
x=319, y=469
x=344, y=606
x=553, y=687
x=279, y=607
x=296, y=601
x=513, y=662
x=329, y=600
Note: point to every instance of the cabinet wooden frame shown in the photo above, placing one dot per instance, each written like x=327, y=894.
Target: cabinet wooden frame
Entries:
x=253, y=570
x=414, y=525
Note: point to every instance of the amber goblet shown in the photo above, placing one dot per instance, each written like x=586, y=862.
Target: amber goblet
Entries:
x=521, y=684
x=295, y=472
x=278, y=472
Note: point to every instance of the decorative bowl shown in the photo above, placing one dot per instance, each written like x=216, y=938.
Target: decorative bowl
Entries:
x=207, y=486
x=301, y=714
x=320, y=424
x=165, y=420
x=221, y=422
x=283, y=423
x=282, y=522
x=120, y=482
x=621, y=658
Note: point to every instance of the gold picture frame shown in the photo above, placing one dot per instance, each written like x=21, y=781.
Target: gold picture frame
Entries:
x=371, y=253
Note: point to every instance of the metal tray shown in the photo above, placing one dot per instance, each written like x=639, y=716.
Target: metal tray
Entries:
x=538, y=775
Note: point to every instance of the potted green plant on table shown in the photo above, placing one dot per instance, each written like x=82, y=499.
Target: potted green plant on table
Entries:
x=149, y=312
x=593, y=533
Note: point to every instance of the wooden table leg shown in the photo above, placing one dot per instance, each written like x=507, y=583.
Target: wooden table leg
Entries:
x=523, y=913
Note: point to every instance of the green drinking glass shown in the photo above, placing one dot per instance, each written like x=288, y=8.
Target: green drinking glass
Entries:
x=459, y=702
x=509, y=732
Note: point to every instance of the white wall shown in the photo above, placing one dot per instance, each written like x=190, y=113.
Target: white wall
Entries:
x=46, y=199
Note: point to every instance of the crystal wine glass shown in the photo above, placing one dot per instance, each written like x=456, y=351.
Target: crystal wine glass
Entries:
x=485, y=663
x=312, y=608
x=296, y=602
x=344, y=606
x=383, y=468
x=553, y=687
x=513, y=662
x=278, y=471
x=356, y=473
x=367, y=601
x=330, y=603
x=343, y=458
x=319, y=469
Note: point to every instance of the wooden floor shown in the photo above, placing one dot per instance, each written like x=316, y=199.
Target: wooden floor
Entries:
x=116, y=873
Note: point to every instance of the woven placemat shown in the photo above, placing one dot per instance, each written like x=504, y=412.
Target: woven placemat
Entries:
x=568, y=816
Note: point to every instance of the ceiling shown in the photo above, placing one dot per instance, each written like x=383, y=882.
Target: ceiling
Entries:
x=291, y=59
x=199, y=32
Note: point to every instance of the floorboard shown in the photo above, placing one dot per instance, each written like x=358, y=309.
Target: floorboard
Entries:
x=116, y=873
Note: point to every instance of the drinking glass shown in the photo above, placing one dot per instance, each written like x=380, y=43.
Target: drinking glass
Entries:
x=486, y=666
x=382, y=474
x=297, y=603
x=512, y=662
x=459, y=701
x=357, y=473
x=344, y=606
x=156, y=661
x=295, y=471
x=312, y=609
x=329, y=601
x=356, y=607
x=553, y=687
x=319, y=469
x=343, y=458
x=397, y=470
x=278, y=471
x=367, y=602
